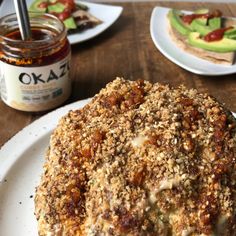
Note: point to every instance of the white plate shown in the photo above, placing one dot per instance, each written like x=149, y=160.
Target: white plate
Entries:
x=107, y=13
x=21, y=161
x=21, y=164
x=162, y=40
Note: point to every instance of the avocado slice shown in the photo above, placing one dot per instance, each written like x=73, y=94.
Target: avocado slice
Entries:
x=202, y=11
x=223, y=45
x=204, y=26
x=231, y=34
x=35, y=6
x=70, y=23
x=215, y=23
x=199, y=21
x=177, y=23
x=200, y=27
x=57, y=7
x=232, y=37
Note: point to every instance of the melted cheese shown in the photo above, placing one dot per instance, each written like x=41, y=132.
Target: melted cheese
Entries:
x=188, y=231
x=138, y=141
x=56, y=231
x=152, y=197
x=169, y=183
x=164, y=184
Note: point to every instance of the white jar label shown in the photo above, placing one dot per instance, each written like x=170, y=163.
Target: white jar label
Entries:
x=35, y=88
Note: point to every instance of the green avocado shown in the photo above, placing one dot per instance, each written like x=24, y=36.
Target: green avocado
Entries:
x=202, y=11
x=215, y=23
x=70, y=23
x=232, y=37
x=177, y=23
x=199, y=22
x=35, y=6
x=200, y=27
x=223, y=45
x=230, y=34
x=57, y=7
x=204, y=26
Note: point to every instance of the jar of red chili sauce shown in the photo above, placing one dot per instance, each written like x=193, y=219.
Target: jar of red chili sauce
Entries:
x=34, y=74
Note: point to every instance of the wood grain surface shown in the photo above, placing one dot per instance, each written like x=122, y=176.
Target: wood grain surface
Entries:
x=126, y=49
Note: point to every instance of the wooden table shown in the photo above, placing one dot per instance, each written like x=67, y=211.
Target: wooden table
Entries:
x=126, y=49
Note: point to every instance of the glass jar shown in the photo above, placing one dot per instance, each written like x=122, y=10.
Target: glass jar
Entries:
x=34, y=74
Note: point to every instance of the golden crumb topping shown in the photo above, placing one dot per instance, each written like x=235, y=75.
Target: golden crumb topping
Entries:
x=141, y=159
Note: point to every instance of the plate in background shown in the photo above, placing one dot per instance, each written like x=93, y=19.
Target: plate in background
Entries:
x=164, y=43
x=107, y=13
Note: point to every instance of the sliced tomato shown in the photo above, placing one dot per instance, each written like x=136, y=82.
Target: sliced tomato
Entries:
x=69, y=8
x=64, y=15
x=69, y=4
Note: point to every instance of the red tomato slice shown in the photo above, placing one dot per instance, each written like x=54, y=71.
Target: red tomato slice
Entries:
x=69, y=8
x=69, y=4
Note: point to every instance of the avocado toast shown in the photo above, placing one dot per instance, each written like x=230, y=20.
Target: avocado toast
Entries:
x=74, y=15
x=204, y=34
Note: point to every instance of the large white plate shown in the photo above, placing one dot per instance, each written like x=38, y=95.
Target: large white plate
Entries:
x=21, y=161
x=107, y=13
x=162, y=40
x=21, y=164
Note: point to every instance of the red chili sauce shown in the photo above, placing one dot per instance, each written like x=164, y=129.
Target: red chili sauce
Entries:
x=216, y=35
x=38, y=34
x=189, y=18
x=69, y=8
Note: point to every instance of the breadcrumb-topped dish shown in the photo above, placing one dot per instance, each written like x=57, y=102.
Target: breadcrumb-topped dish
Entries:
x=141, y=159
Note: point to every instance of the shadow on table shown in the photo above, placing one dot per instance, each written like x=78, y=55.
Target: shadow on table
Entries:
x=89, y=75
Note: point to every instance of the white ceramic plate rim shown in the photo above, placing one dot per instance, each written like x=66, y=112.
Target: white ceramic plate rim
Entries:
x=14, y=147
x=163, y=42
x=100, y=11
x=21, y=162
x=107, y=13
